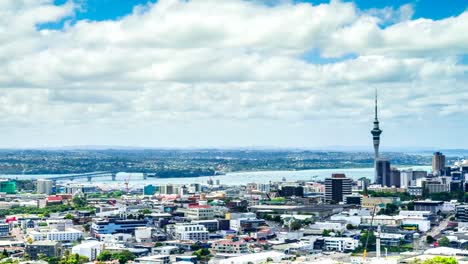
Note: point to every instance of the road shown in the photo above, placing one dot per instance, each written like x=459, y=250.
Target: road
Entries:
x=434, y=232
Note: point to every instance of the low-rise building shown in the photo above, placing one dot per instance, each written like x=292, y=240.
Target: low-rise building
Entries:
x=187, y=231
x=200, y=212
x=230, y=247
x=113, y=225
x=341, y=244
x=69, y=235
x=89, y=249
x=48, y=248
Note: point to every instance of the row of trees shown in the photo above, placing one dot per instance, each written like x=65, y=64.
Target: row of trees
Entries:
x=123, y=256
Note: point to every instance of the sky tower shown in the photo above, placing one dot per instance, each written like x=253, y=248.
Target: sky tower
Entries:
x=376, y=140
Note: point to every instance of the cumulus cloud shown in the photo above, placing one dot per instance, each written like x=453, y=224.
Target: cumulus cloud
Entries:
x=234, y=60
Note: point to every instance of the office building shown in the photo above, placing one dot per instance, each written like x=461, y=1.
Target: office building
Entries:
x=462, y=213
x=69, y=235
x=44, y=186
x=337, y=187
x=384, y=173
x=395, y=178
x=4, y=229
x=149, y=189
x=200, y=212
x=376, y=131
x=113, y=225
x=289, y=191
x=230, y=247
x=8, y=187
x=47, y=248
x=188, y=231
x=89, y=249
x=340, y=244
x=438, y=163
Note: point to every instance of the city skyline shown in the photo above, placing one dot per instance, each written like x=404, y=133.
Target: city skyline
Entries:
x=265, y=74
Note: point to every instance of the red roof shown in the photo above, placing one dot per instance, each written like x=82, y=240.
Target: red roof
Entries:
x=54, y=198
x=194, y=206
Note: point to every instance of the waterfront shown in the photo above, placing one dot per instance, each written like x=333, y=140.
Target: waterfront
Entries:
x=235, y=178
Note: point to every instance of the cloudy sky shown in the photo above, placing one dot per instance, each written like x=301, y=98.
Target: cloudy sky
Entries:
x=233, y=73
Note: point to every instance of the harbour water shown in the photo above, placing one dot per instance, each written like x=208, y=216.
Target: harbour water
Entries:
x=235, y=178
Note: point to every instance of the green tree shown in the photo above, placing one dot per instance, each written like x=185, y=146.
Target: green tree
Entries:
x=444, y=242
x=104, y=256
x=69, y=216
x=296, y=225
x=158, y=244
x=440, y=260
x=430, y=239
x=195, y=247
x=326, y=232
x=350, y=227
x=202, y=254
x=79, y=202
x=371, y=242
x=124, y=256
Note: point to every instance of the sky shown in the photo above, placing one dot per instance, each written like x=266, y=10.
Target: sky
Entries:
x=233, y=73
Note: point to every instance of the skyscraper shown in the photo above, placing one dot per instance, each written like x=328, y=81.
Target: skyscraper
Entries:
x=376, y=140
x=337, y=187
x=438, y=163
x=383, y=173
x=44, y=186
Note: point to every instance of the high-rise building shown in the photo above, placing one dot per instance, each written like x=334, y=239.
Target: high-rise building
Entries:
x=395, y=177
x=8, y=187
x=337, y=187
x=150, y=189
x=44, y=186
x=438, y=163
x=383, y=172
x=376, y=131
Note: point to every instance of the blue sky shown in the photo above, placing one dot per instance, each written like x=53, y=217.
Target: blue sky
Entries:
x=113, y=9
x=237, y=73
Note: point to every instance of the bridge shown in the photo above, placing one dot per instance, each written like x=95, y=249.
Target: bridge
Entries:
x=89, y=176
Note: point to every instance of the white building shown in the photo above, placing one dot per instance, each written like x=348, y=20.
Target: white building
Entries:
x=255, y=258
x=143, y=234
x=200, y=212
x=340, y=244
x=44, y=186
x=90, y=249
x=69, y=235
x=353, y=219
x=423, y=224
x=420, y=214
x=328, y=226
x=187, y=231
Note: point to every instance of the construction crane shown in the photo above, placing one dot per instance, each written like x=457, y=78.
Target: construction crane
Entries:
x=126, y=181
x=367, y=238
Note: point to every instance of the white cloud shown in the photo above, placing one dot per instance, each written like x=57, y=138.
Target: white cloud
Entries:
x=232, y=60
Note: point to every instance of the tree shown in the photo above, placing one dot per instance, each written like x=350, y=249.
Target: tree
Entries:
x=158, y=244
x=350, y=227
x=296, y=225
x=145, y=211
x=326, y=233
x=124, y=256
x=371, y=242
x=73, y=259
x=437, y=260
x=195, y=247
x=79, y=202
x=69, y=216
x=444, y=242
x=202, y=254
x=430, y=239
x=104, y=256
